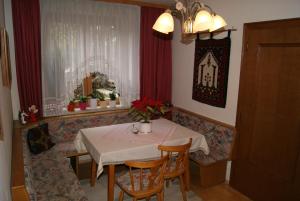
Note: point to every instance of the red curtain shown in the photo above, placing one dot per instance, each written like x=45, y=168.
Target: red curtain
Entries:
x=27, y=34
x=155, y=58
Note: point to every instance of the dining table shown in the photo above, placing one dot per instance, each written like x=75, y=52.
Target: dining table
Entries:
x=114, y=144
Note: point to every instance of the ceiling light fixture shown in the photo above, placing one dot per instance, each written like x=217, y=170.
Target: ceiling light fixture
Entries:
x=194, y=15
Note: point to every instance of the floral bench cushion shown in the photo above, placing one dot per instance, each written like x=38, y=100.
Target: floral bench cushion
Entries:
x=28, y=172
x=219, y=138
x=201, y=158
x=66, y=148
x=192, y=122
x=54, y=179
x=65, y=130
x=220, y=141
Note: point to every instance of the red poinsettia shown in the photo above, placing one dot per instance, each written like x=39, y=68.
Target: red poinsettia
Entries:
x=144, y=109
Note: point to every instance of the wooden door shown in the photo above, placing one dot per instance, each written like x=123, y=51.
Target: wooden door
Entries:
x=267, y=163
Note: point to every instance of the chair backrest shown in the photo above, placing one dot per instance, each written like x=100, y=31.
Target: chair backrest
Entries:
x=150, y=174
x=178, y=158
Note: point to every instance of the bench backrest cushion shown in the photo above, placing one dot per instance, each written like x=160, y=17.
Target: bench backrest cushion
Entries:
x=220, y=142
x=219, y=138
x=65, y=130
x=192, y=122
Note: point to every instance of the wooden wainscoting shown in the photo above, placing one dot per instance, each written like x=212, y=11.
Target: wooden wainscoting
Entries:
x=18, y=189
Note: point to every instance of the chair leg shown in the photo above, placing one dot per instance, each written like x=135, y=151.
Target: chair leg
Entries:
x=121, y=195
x=158, y=197
x=182, y=188
x=167, y=183
x=162, y=195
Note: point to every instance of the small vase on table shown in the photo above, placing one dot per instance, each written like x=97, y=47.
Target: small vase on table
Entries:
x=145, y=127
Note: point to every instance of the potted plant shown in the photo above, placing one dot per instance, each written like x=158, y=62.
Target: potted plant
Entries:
x=103, y=102
x=71, y=106
x=93, y=99
x=82, y=102
x=112, y=102
x=143, y=110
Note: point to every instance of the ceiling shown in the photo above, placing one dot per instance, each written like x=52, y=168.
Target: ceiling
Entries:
x=166, y=2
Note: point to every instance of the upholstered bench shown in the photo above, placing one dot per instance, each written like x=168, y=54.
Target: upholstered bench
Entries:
x=48, y=176
x=220, y=139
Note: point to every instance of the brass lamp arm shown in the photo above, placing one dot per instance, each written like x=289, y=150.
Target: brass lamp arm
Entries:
x=197, y=6
x=190, y=11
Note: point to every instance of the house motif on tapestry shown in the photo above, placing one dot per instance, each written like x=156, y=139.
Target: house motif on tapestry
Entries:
x=208, y=71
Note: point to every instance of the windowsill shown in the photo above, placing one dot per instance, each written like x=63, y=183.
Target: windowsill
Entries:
x=76, y=113
x=93, y=110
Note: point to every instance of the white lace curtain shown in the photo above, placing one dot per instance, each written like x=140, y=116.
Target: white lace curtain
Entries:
x=83, y=36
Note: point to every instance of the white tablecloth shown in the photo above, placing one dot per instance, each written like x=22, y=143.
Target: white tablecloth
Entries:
x=115, y=144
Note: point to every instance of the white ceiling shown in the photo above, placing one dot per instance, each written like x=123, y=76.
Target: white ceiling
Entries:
x=166, y=2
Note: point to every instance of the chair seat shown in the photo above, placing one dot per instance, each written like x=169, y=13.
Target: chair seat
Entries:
x=124, y=181
x=171, y=168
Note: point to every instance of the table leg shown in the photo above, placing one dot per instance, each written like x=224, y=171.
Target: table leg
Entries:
x=74, y=163
x=187, y=175
x=77, y=165
x=93, y=173
x=111, y=182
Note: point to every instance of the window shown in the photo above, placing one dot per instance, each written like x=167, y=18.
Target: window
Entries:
x=80, y=37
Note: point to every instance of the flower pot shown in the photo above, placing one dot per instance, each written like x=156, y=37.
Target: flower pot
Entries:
x=112, y=103
x=82, y=106
x=103, y=104
x=71, y=107
x=121, y=101
x=118, y=101
x=145, y=128
x=93, y=103
x=76, y=104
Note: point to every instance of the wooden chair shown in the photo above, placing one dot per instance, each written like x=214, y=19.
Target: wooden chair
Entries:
x=144, y=179
x=177, y=163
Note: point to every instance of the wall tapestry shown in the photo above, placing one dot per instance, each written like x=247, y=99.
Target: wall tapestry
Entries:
x=5, y=60
x=211, y=70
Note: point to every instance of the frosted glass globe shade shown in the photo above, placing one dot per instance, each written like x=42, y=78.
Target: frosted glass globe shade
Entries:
x=217, y=23
x=164, y=23
x=202, y=21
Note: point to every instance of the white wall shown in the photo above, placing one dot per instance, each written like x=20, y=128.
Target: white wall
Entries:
x=236, y=13
x=7, y=124
x=14, y=87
